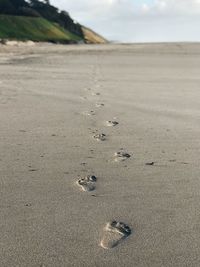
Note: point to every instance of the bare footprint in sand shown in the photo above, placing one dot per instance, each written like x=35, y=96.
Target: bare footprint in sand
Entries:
x=121, y=156
x=87, y=183
x=89, y=113
x=111, y=123
x=114, y=233
x=99, y=105
x=96, y=94
x=100, y=137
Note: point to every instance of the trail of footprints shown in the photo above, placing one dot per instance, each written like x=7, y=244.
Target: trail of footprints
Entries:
x=114, y=232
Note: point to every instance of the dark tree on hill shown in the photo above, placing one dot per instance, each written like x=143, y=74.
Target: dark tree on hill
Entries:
x=67, y=22
x=13, y=7
x=19, y=3
x=33, y=2
x=6, y=7
x=47, y=11
x=29, y=12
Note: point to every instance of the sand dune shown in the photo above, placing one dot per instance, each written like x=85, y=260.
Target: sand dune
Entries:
x=75, y=192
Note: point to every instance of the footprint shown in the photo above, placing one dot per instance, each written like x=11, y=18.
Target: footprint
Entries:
x=121, y=156
x=96, y=94
x=100, y=137
x=111, y=123
x=114, y=233
x=89, y=113
x=87, y=183
x=99, y=105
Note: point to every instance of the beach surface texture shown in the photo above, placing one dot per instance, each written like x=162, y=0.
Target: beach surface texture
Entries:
x=99, y=155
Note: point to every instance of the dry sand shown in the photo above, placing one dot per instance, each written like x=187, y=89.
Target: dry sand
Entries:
x=53, y=101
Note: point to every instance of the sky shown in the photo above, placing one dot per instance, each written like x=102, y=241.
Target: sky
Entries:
x=138, y=20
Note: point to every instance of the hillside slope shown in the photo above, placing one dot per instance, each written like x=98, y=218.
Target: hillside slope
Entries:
x=38, y=20
x=35, y=29
x=92, y=37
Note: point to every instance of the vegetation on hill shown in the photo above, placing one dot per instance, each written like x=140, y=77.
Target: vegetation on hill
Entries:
x=39, y=21
x=35, y=29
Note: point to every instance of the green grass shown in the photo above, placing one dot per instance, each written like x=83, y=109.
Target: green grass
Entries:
x=35, y=29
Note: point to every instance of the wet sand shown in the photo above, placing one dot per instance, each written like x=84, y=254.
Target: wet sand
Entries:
x=126, y=114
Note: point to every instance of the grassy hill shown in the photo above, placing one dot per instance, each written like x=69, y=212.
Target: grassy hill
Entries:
x=38, y=20
x=35, y=29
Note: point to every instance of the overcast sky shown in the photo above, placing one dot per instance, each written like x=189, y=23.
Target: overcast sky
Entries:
x=138, y=20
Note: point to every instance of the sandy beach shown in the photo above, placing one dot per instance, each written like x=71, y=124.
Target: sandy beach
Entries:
x=95, y=134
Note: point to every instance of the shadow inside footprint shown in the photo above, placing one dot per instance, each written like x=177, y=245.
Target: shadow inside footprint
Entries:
x=111, y=123
x=87, y=183
x=114, y=233
x=100, y=137
x=150, y=163
x=121, y=156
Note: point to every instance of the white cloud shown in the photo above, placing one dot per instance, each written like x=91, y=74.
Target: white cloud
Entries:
x=138, y=20
x=145, y=8
x=179, y=7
